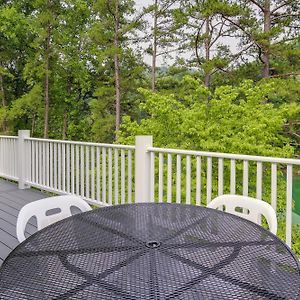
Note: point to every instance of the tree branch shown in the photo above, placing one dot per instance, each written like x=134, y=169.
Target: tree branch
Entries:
x=218, y=34
x=197, y=43
x=282, y=5
x=257, y=4
x=284, y=16
x=286, y=74
x=248, y=34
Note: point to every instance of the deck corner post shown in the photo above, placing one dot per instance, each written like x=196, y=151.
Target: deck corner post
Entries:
x=142, y=168
x=23, y=160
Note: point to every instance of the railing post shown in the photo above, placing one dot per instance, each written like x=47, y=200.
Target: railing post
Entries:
x=142, y=168
x=22, y=159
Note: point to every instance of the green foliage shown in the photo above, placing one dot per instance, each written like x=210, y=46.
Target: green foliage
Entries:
x=232, y=119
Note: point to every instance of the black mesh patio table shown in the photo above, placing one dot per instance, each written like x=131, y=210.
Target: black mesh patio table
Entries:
x=151, y=251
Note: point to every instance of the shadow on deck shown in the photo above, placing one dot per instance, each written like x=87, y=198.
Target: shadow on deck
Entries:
x=11, y=201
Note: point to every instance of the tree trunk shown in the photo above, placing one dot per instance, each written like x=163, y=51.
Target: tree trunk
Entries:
x=65, y=125
x=65, y=117
x=207, y=73
x=154, y=46
x=46, y=88
x=3, y=100
x=33, y=125
x=117, y=67
x=266, y=46
x=2, y=92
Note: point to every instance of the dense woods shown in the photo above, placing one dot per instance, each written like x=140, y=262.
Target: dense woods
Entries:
x=76, y=69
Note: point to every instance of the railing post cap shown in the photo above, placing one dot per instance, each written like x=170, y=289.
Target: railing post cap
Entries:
x=24, y=133
x=144, y=138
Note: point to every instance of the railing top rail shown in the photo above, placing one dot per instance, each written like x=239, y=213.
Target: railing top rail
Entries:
x=228, y=155
x=8, y=137
x=125, y=147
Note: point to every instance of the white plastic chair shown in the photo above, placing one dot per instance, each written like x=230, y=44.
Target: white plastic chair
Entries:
x=40, y=208
x=248, y=208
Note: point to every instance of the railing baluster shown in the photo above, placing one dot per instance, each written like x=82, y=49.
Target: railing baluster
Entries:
x=98, y=191
x=44, y=163
x=73, y=169
x=11, y=159
x=47, y=164
x=109, y=176
x=245, y=177
x=68, y=166
x=178, y=179
x=4, y=157
x=40, y=163
x=77, y=170
x=51, y=165
x=198, y=180
x=87, y=172
x=9, y=156
x=259, y=180
x=129, y=176
x=116, y=173
x=55, y=165
x=122, y=176
x=59, y=165
x=169, y=189
x=209, y=180
x=289, y=189
x=104, y=174
x=232, y=176
x=1, y=155
x=9, y=151
x=63, y=166
x=33, y=162
x=15, y=159
x=259, y=184
x=82, y=171
x=11, y=169
x=93, y=172
x=274, y=186
x=188, y=180
x=152, y=177
x=160, y=177
x=220, y=176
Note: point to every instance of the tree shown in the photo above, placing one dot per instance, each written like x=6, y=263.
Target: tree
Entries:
x=203, y=33
x=264, y=25
x=72, y=76
x=14, y=48
x=114, y=23
x=44, y=19
x=163, y=33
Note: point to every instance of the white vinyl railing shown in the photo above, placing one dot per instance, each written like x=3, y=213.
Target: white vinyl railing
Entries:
x=195, y=177
x=99, y=173
x=8, y=157
x=109, y=174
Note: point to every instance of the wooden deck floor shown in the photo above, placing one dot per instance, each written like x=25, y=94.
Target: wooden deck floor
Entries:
x=11, y=201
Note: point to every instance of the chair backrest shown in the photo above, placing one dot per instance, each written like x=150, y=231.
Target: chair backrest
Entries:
x=48, y=211
x=248, y=208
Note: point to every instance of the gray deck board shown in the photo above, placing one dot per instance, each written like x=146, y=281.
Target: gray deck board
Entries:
x=11, y=201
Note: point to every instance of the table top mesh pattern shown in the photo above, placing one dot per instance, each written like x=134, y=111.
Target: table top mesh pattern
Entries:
x=151, y=251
